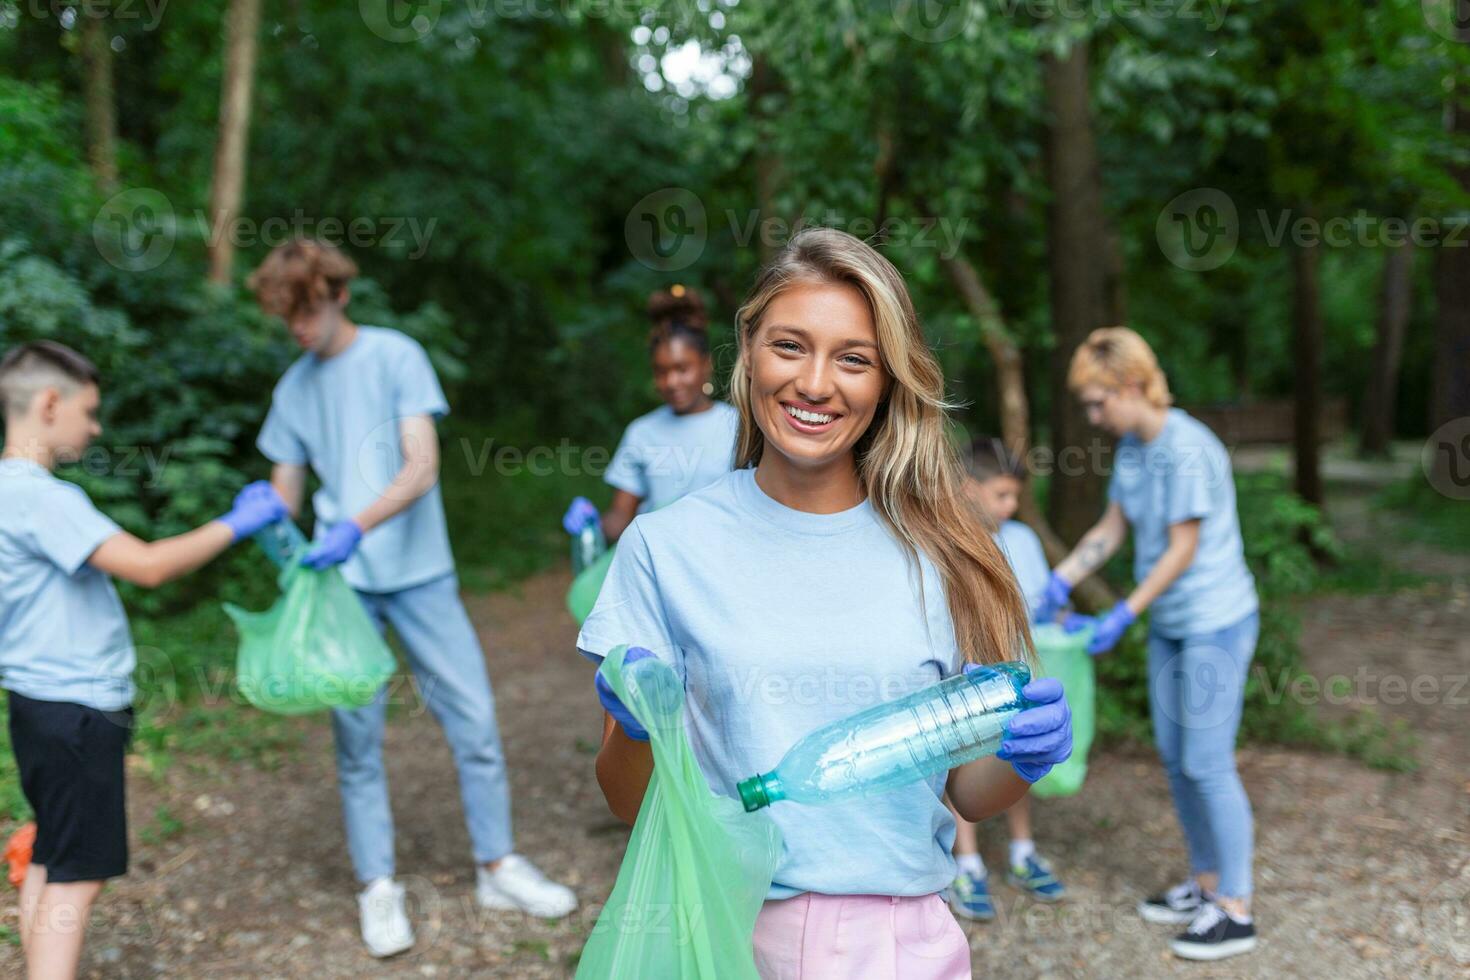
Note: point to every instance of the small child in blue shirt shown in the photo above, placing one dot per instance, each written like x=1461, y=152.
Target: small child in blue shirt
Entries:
x=994, y=484
x=66, y=655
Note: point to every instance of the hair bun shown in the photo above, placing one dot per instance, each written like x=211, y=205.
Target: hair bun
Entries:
x=678, y=304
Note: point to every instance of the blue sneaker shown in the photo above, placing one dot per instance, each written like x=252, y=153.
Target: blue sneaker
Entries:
x=1036, y=878
x=969, y=897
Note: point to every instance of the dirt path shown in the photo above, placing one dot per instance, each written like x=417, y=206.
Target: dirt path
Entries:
x=1361, y=873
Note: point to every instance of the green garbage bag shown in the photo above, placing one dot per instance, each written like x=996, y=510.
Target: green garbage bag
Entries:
x=698, y=867
x=314, y=648
x=582, y=596
x=1064, y=656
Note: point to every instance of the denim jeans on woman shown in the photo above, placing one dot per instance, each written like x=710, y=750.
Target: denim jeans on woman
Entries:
x=1196, y=691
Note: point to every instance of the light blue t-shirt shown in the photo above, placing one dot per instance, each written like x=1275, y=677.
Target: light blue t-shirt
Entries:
x=63, y=633
x=1183, y=474
x=1023, y=550
x=779, y=622
x=341, y=416
x=663, y=456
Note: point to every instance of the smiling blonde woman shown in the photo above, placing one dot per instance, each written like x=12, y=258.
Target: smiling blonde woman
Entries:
x=837, y=567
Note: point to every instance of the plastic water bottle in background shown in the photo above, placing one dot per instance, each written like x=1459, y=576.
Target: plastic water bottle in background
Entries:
x=281, y=541
x=588, y=545
x=893, y=744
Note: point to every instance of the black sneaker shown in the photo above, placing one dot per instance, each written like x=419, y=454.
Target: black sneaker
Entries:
x=1173, y=907
x=1214, y=934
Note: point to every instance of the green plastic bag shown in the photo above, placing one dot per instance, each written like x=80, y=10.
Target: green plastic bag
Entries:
x=698, y=867
x=314, y=648
x=1064, y=656
x=582, y=596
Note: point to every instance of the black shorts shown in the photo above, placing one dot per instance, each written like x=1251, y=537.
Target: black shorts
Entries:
x=71, y=770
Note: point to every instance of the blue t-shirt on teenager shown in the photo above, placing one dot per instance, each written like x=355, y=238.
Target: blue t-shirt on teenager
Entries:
x=341, y=415
x=1184, y=474
x=63, y=633
x=663, y=455
x=779, y=622
x=1023, y=551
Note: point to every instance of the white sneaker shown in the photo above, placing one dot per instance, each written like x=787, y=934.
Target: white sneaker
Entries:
x=517, y=884
x=385, y=928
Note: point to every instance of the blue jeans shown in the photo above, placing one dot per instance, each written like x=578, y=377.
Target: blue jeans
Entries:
x=449, y=665
x=1196, y=692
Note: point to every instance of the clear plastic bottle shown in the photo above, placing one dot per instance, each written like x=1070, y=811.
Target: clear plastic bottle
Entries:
x=281, y=541
x=588, y=545
x=889, y=745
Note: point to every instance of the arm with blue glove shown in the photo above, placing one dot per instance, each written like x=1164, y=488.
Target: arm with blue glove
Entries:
x=153, y=563
x=625, y=762
x=1036, y=739
x=1110, y=627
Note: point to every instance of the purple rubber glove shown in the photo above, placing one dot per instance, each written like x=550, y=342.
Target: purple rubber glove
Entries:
x=1110, y=628
x=1039, y=737
x=615, y=707
x=1058, y=590
x=255, y=507
x=335, y=547
x=581, y=513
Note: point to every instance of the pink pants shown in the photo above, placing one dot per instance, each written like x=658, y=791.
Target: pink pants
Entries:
x=860, y=937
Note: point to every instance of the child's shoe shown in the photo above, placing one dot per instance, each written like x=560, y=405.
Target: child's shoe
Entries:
x=385, y=928
x=969, y=897
x=1036, y=878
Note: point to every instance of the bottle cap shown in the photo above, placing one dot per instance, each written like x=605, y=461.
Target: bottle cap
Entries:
x=753, y=793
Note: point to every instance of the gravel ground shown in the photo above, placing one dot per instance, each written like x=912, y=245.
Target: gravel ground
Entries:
x=1361, y=873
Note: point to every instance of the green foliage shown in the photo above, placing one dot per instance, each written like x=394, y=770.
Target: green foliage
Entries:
x=13, y=805
x=1429, y=516
x=163, y=826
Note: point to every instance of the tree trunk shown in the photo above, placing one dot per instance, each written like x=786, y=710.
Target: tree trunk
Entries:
x=242, y=25
x=1115, y=291
x=1015, y=414
x=1450, y=391
x=1077, y=253
x=1395, y=303
x=764, y=85
x=101, y=113
x=1307, y=321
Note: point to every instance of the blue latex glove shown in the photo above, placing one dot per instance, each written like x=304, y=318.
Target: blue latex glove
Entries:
x=615, y=707
x=581, y=513
x=1076, y=622
x=335, y=547
x=1058, y=591
x=1110, y=628
x=1039, y=737
x=255, y=507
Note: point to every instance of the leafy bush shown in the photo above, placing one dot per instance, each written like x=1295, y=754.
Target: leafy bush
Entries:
x=187, y=368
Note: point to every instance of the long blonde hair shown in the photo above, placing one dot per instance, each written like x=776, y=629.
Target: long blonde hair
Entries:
x=907, y=465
